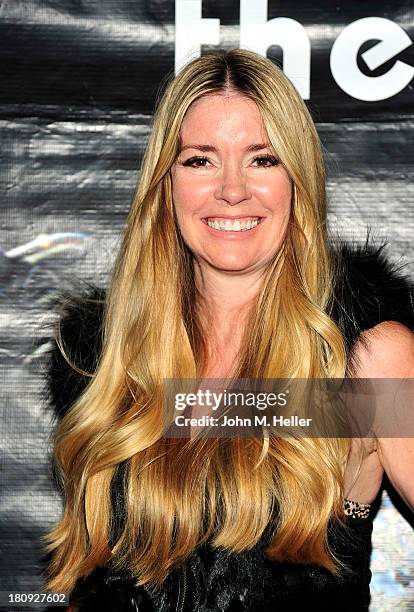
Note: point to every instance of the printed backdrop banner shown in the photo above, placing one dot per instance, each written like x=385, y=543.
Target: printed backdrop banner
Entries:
x=79, y=83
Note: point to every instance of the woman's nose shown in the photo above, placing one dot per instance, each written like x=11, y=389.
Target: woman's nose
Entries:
x=232, y=185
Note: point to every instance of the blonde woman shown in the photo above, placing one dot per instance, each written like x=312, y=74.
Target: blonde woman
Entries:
x=225, y=270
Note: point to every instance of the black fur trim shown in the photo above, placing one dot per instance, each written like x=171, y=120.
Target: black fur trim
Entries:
x=369, y=290
x=80, y=326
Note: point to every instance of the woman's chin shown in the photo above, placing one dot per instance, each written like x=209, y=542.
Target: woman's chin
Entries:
x=233, y=265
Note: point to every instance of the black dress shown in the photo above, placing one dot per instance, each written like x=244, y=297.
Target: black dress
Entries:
x=217, y=581
x=368, y=292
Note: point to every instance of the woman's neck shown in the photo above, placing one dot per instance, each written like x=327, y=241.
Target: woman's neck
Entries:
x=226, y=298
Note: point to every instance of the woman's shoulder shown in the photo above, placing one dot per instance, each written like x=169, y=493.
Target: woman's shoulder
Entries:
x=386, y=351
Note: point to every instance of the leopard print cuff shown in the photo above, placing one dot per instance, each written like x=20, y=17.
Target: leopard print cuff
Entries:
x=355, y=509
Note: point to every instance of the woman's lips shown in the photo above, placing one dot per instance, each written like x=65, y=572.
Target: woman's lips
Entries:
x=232, y=233
x=230, y=218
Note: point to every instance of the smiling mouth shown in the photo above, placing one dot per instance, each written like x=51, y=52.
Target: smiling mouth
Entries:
x=233, y=225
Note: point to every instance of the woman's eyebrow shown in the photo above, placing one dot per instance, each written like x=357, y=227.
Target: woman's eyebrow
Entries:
x=209, y=148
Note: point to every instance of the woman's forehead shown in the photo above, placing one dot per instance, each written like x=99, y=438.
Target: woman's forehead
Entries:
x=222, y=117
x=226, y=101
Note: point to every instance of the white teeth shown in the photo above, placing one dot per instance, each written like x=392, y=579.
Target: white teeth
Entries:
x=232, y=226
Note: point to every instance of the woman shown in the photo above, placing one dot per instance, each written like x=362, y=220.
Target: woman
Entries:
x=225, y=270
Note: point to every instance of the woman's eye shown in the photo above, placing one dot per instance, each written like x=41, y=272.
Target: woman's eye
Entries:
x=262, y=161
x=265, y=161
x=196, y=162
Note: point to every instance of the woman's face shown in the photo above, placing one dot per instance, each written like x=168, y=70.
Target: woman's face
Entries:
x=232, y=197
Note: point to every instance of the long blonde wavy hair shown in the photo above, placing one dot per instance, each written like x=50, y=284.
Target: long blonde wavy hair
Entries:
x=152, y=331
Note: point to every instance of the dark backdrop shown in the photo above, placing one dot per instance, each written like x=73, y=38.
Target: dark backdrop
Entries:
x=78, y=84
